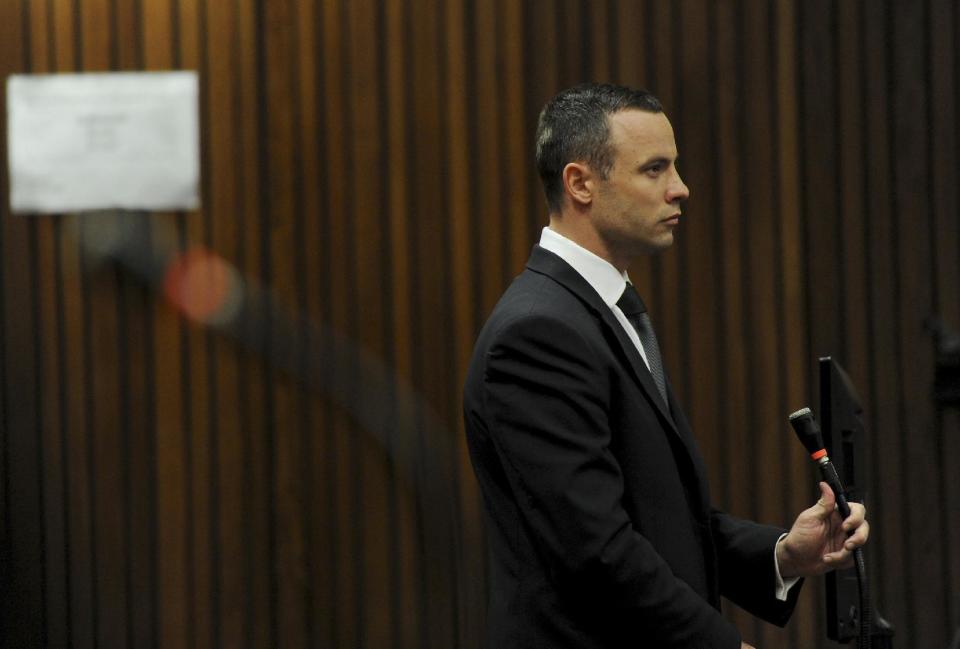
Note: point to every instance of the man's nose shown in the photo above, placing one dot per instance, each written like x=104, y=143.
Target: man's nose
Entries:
x=678, y=190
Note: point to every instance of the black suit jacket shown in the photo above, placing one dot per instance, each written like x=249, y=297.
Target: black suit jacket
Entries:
x=601, y=530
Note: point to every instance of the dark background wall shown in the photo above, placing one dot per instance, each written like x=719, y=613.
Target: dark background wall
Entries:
x=164, y=486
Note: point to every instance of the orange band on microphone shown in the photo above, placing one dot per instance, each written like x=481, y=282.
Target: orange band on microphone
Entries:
x=819, y=454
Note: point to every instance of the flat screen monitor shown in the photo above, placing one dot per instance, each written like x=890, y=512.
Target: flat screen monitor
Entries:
x=841, y=420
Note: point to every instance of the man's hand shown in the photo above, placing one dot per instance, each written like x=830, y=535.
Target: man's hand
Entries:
x=744, y=645
x=820, y=541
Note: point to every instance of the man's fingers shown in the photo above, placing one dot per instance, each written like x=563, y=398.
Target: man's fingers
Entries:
x=859, y=537
x=856, y=518
x=843, y=558
x=839, y=559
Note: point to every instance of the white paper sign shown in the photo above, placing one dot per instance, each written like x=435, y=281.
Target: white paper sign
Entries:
x=90, y=141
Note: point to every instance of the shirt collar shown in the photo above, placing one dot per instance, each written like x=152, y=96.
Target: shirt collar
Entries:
x=606, y=280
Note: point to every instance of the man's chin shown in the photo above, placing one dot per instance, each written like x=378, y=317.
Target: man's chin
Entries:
x=658, y=245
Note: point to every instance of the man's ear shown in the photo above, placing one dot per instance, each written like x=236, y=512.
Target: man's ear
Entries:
x=579, y=183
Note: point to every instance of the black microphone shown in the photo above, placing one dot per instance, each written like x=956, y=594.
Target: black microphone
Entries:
x=809, y=433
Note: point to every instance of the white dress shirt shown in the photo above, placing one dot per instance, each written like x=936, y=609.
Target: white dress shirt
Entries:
x=606, y=280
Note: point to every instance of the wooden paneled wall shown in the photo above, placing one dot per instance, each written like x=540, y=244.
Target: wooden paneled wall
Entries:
x=369, y=161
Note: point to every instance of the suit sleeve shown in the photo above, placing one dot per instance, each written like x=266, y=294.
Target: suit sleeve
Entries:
x=546, y=395
x=747, y=575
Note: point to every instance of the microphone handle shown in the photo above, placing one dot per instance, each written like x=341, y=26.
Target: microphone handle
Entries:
x=830, y=476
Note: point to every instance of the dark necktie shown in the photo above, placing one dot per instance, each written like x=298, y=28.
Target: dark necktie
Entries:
x=636, y=312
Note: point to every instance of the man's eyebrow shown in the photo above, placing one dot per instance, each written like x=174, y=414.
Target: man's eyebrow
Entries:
x=657, y=160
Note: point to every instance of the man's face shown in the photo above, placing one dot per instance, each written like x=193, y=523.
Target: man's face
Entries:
x=638, y=206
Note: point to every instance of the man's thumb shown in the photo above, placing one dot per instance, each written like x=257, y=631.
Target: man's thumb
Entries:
x=827, y=502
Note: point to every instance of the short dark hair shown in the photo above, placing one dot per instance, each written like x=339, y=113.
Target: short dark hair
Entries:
x=573, y=126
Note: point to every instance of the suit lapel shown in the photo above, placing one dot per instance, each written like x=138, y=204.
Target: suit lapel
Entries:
x=547, y=263
x=544, y=261
x=639, y=367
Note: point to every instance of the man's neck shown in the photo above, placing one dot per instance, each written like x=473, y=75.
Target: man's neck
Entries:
x=577, y=229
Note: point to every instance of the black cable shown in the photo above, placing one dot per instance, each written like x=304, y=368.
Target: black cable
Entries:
x=864, y=592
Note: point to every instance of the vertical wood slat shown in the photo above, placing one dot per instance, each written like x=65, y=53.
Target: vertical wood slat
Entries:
x=6, y=552
x=136, y=408
x=665, y=273
x=851, y=214
x=486, y=148
x=186, y=465
x=50, y=488
x=103, y=415
x=914, y=294
x=852, y=218
x=55, y=531
x=817, y=173
x=597, y=32
x=343, y=563
x=515, y=137
x=279, y=212
x=700, y=303
x=171, y=458
x=882, y=384
x=407, y=559
x=471, y=558
x=23, y=499
x=225, y=555
x=254, y=430
x=760, y=288
x=628, y=26
x=141, y=574
x=793, y=319
x=196, y=387
x=317, y=604
x=431, y=370
x=943, y=20
x=81, y=614
x=375, y=621
x=728, y=166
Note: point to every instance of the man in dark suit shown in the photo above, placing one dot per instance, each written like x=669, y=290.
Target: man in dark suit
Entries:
x=602, y=533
